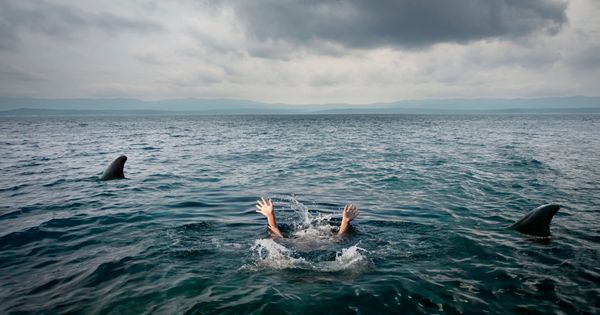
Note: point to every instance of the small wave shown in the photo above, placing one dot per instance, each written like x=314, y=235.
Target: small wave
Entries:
x=191, y=253
x=110, y=270
x=391, y=179
x=49, y=285
x=161, y=176
x=192, y=204
x=30, y=164
x=39, y=207
x=198, y=226
x=404, y=226
x=56, y=182
x=206, y=179
x=527, y=163
x=56, y=228
x=14, y=188
x=17, y=239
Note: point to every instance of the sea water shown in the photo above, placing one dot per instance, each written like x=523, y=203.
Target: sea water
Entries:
x=436, y=195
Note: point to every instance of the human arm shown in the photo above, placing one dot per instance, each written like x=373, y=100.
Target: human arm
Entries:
x=348, y=214
x=265, y=207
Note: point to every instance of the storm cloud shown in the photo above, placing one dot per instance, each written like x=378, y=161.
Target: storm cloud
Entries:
x=402, y=23
x=307, y=51
x=60, y=21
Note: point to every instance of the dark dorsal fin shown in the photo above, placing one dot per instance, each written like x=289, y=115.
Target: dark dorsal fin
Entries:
x=115, y=169
x=537, y=222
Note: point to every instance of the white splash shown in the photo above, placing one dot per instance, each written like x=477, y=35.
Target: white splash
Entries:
x=348, y=259
x=273, y=255
x=312, y=232
x=299, y=209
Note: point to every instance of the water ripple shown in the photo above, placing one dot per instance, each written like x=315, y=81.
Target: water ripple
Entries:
x=181, y=235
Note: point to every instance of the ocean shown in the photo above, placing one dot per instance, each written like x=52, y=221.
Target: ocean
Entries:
x=180, y=235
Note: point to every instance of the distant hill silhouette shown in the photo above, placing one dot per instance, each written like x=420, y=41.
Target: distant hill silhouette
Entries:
x=123, y=106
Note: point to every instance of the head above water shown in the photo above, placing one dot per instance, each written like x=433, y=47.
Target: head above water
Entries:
x=115, y=169
x=537, y=221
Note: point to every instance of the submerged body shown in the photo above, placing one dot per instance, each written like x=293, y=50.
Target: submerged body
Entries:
x=265, y=207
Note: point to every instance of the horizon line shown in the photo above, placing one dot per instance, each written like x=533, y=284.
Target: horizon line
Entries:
x=292, y=104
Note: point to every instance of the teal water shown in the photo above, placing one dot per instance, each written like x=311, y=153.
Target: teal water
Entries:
x=181, y=235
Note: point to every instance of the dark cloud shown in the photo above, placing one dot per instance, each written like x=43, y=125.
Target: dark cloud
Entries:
x=60, y=21
x=397, y=23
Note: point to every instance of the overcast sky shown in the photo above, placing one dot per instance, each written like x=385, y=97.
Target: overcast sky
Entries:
x=292, y=51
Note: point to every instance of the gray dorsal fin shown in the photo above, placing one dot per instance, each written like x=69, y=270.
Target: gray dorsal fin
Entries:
x=537, y=221
x=115, y=169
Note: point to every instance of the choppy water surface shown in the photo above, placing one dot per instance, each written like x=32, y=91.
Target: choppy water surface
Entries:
x=181, y=235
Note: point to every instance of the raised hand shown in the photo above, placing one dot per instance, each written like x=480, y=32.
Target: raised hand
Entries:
x=265, y=207
x=348, y=214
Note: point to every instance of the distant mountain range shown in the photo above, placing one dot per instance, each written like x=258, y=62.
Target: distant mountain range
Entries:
x=123, y=106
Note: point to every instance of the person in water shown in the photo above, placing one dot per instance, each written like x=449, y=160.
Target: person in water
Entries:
x=265, y=207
